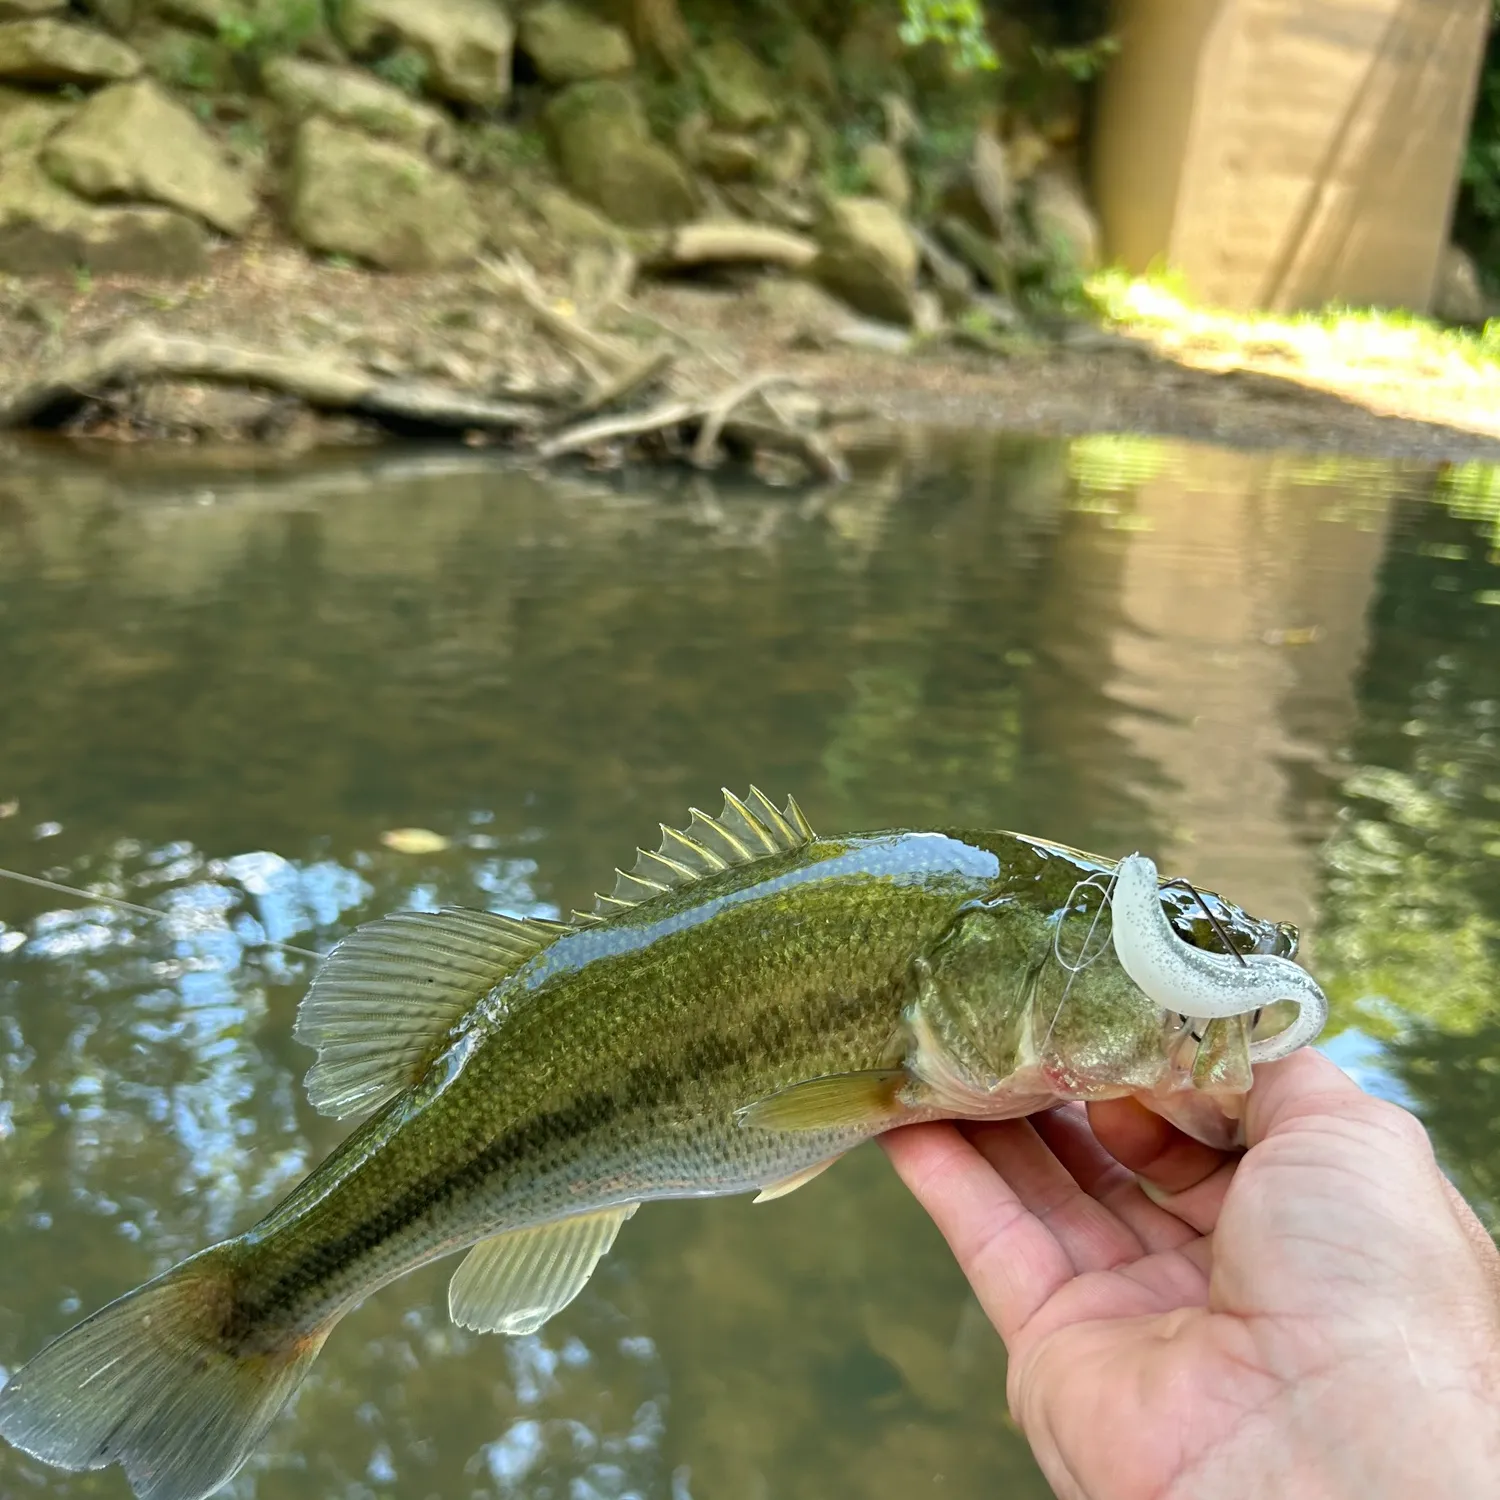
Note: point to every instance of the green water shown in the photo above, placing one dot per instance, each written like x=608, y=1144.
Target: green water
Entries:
x=220, y=688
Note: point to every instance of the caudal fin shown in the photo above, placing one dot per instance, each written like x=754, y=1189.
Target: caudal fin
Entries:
x=152, y=1383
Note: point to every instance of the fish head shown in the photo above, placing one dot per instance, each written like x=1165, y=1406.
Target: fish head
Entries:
x=1021, y=1004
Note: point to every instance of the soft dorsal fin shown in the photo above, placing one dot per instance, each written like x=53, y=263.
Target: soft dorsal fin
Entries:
x=745, y=831
x=389, y=993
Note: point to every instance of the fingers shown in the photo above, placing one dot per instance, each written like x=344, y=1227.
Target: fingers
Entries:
x=1181, y=1176
x=1306, y=1083
x=1012, y=1260
x=1068, y=1134
x=1094, y=1238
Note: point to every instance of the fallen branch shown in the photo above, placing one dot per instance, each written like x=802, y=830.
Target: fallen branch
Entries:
x=626, y=383
x=728, y=241
x=581, y=341
x=705, y=450
x=819, y=456
x=326, y=383
x=584, y=435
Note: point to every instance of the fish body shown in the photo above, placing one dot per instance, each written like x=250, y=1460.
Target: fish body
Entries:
x=751, y=1003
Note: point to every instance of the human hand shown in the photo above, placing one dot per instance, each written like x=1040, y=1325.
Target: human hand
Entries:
x=1314, y=1320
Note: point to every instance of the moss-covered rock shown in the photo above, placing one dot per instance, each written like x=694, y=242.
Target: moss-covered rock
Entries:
x=184, y=59
x=27, y=119
x=352, y=97
x=868, y=257
x=885, y=174
x=740, y=93
x=1064, y=222
x=465, y=45
x=20, y=10
x=603, y=147
x=807, y=69
x=568, y=45
x=48, y=51
x=134, y=142
x=377, y=202
x=46, y=231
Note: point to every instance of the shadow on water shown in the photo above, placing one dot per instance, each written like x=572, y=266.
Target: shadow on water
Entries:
x=223, y=687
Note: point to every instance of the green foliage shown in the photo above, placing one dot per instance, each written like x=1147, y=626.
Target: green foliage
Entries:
x=957, y=25
x=406, y=68
x=264, y=28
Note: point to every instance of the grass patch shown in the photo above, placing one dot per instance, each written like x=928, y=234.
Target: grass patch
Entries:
x=1158, y=307
x=1392, y=363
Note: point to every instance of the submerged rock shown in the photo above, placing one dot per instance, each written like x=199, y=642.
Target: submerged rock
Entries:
x=133, y=142
x=740, y=92
x=20, y=10
x=378, y=202
x=568, y=45
x=868, y=257
x=466, y=44
x=47, y=51
x=352, y=97
x=604, y=149
x=45, y=230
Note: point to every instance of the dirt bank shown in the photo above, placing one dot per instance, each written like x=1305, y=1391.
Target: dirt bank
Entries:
x=454, y=327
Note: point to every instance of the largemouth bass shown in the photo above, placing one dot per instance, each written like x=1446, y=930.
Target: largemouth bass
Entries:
x=749, y=1004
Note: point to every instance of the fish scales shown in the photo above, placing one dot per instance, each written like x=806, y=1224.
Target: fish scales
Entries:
x=750, y=1003
x=607, y=1071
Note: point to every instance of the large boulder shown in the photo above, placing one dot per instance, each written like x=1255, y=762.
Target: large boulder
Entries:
x=466, y=44
x=377, y=202
x=740, y=93
x=45, y=230
x=568, y=45
x=1459, y=295
x=885, y=174
x=27, y=119
x=133, y=142
x=352, y=97
x=47, y=51
x=868, y=257
x=602, y=143
x=1063, y=220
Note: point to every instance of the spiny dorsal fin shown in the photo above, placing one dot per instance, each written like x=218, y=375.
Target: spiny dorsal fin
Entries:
x=390, y=991
x=746, y=830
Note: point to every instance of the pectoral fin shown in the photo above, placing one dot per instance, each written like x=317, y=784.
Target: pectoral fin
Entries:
x=841, y=1101
x=514, y=1282
x=773, y=1190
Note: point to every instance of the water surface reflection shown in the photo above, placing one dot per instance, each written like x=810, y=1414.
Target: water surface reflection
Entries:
x=223, y=688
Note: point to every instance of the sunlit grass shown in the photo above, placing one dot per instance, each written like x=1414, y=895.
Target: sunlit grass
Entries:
x=1392, y=361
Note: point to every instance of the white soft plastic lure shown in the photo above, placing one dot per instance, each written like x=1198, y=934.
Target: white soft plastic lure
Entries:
x=1192, y=982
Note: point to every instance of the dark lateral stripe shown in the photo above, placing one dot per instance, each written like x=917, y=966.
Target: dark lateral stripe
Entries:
x=652, y=1085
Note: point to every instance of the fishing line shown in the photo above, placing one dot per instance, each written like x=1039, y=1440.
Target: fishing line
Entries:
x=140, y=911
x=1084, y=960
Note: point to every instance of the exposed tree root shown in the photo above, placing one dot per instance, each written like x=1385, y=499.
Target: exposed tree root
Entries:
x=632, y=395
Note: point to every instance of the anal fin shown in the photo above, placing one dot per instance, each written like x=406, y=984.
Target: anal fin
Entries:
x=840, y=1101
x=774, y=1190
x=513, y=1282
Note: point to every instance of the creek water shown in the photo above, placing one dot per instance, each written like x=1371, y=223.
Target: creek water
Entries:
x=227, y=689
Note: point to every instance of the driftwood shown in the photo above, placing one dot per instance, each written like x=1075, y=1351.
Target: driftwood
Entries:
x=328, y=384
x=632, y=395
x=731, y=241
